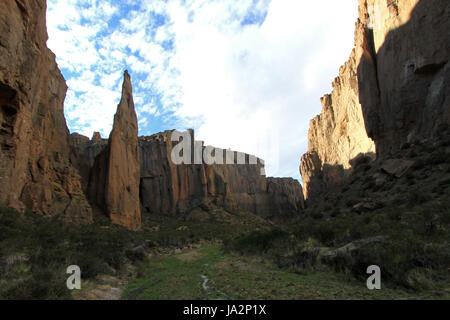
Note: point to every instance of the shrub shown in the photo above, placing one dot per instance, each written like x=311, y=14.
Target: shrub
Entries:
x=405, y=146
x=325, y=233
x=419, y=164
x=397, y=259
x=336, y=213
x=418, y=197
x=136, y=254
x=437, y=157
x=444, y=182
x=303, y=259
x=351, y=202
x=259, y=242
x=412, y=154
x=317, y=215
x=44, y=284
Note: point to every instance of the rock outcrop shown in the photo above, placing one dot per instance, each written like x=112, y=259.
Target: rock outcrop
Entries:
x=285, y=197
x=115, y=177
x=394, y=89
x=46, y=170
x=35, y=169
x=167, y=188
x=89, y=148
x=338, y=134
x=404, y=73
x=176, y=189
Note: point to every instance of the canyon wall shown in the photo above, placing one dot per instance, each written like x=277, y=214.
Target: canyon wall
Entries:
x=168, y=188
x=393, y=90
x=176, y=189
x=41, y=167
x=46, y=170
x=35, y=169
x=408, y=62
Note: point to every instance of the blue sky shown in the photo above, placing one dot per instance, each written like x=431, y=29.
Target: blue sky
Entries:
x=246, y=75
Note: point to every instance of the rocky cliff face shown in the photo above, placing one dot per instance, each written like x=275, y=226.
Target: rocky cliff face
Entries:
x=404, y=74
x=176, y=189
x=394, y=89
x=89, y=148
x=35, y=170
x=48, y=171
x=169, y=188
x=166, y=187
x=115, y=178
x=285, y=197
x=338, y=134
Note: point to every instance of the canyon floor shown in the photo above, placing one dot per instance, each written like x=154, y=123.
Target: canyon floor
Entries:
x=210, y=273
x=204, y=256
x=392, y=212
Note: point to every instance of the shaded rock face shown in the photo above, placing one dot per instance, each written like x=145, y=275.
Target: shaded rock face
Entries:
x=115, y=177
x=393, y=89
x=84, y=153
x=285, y=197
x=406, y=97
x=35, y=169
x=167, y=188
x=89, y=148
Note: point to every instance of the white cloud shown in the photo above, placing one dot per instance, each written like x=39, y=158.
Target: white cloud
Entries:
x=251, y=84
x=252, y=87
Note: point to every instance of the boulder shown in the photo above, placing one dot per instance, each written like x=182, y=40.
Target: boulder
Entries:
x=366, y=206
x=397, y=167
x=347, y=250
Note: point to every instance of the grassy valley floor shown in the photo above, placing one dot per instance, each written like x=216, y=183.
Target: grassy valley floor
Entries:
x=222, y=255
x=210, y=273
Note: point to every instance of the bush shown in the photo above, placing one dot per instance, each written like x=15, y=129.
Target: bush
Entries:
x=259, y=242
x=437, y=157
x=397, y=259
x=50, y=246
x=419, y=164
x=405, y=146
x=303, y=259
x=136, y=254
x=44, y=284
x=418, y=197
x=351, y=202
x=317, y=215
x=325, y=233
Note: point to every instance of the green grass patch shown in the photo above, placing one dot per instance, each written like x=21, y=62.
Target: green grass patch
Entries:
x=232, y=276
x=35, y=251
x=174, y=277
